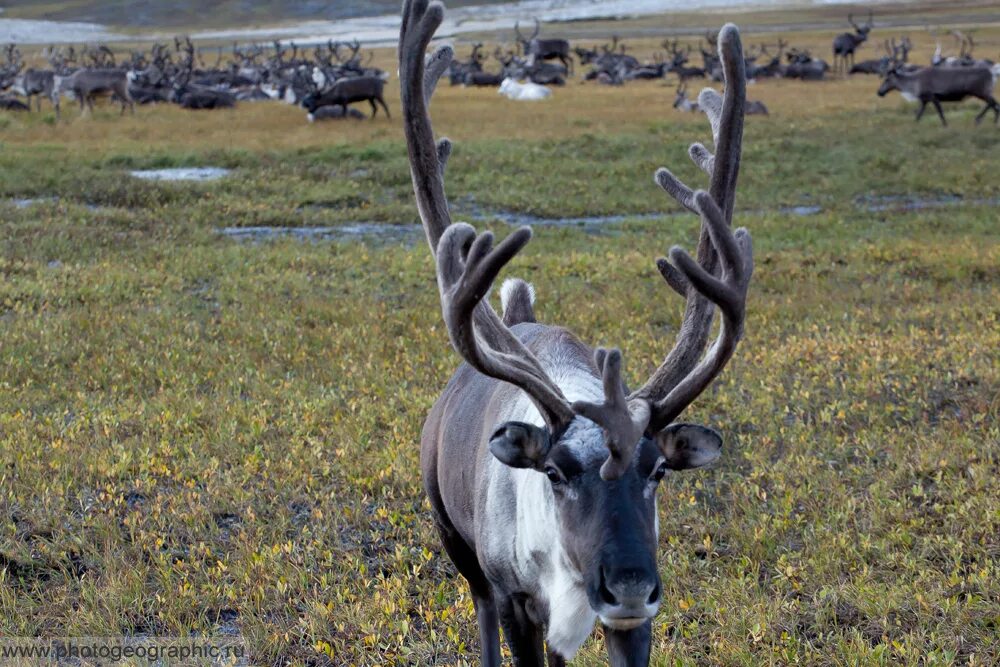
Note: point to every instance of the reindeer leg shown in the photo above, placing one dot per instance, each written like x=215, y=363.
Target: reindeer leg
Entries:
x=555, y=660
x=374, y=108
x=629, y=648
x=982, y=113
x=489, y=630
x=524, y=638
x=920, y=111
x=382, y=102
x=940, y=111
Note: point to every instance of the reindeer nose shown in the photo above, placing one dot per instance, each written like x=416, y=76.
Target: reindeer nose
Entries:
x=628, y=592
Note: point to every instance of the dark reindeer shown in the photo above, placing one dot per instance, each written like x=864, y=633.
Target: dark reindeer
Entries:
x=348, y=91
x=846, y=43
x=540, y=467
x=545, y=49
x=936, y=85
x=896, y=55
x=678, y=62
x=12, y=104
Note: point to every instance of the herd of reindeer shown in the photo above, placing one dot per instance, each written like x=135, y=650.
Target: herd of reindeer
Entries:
x=327, y=79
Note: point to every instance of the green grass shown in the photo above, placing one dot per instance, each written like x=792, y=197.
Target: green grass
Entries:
x=194, y=429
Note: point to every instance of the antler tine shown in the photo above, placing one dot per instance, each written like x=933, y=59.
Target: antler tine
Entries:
x=467, y=265
x=681, y=377
x=420, y=20
x=623, y=420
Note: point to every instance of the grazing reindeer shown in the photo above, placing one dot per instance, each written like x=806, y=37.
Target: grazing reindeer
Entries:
x=545, y=49
x=539, y=466
x=846, y=43
x=937, y=85
x=682, y=102
x=334, y=112
x=85, y=85
x=347, y=91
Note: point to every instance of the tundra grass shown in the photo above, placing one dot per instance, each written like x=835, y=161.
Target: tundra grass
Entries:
x=199, y=435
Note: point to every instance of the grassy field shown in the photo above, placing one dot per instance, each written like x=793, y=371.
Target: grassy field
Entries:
x=200, y=436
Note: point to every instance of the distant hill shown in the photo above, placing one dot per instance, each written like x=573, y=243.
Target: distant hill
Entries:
x=193, y=14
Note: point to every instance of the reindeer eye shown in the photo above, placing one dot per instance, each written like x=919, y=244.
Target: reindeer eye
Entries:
x=553, y=475
x=660, y=472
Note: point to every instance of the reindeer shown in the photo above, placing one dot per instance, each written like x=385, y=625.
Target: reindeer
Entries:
x=682, y=103
x=540, y=467
x=544, y=49
x=11, y=68
x=459, y=71
x=198, y=96
x=965, y=58
x=710, y=59
x=846, y=43
x=334, y=112
x=12, y=104
x=679, y=60
x=773, y=68
x=937, y=85
x=37, y=83
x=87, y=84
x=896, y=56
x=348, y=91
x=801, y=65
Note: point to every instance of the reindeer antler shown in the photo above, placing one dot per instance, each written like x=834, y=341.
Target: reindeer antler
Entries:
x=681, y=377
x=623, y=420
x=467, y=264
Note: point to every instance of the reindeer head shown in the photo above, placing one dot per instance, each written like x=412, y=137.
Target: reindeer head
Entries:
x=863, y=29
x=890, y=82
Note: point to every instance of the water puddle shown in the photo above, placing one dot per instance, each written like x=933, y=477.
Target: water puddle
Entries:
x=28, y=202
x=181, y=174
x=350, y=232
x=384, y=232
x=802, y=210
x=881, y=203
x=587, y=222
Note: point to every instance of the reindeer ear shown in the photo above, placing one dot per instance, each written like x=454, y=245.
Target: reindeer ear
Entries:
x=689, y=445
x=520, y=445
